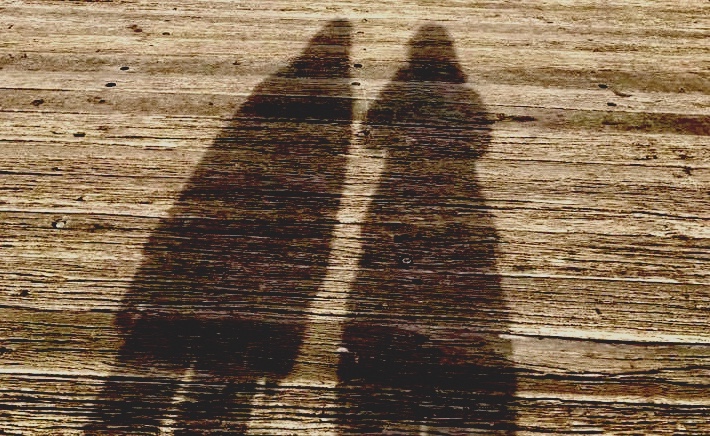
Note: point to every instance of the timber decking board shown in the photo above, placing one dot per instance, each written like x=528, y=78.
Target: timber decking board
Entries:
x=596, y=181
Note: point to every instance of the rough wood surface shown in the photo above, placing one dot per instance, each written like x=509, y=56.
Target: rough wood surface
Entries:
x=286, y=217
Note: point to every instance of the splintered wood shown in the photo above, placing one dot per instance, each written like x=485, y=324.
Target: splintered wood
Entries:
x=411, y=217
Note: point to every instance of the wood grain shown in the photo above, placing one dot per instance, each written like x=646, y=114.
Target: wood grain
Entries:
x=595, y=182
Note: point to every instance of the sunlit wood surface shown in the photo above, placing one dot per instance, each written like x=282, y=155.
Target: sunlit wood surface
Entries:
x=591, y=188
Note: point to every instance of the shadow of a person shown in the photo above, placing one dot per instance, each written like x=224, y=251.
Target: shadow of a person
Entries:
x=427, y=310
x=217, y=304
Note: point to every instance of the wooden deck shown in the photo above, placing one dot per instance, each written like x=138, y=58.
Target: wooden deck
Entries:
x=425, y=217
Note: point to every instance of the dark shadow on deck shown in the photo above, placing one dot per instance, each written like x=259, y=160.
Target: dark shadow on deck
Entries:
x=227, y=277
x=221, y=294
x=427, y=307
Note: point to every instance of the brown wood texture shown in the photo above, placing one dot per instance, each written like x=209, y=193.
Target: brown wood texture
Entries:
x=285, y=217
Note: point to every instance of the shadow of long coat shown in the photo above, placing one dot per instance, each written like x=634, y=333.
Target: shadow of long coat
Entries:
x=219, y=300
x=423, y=341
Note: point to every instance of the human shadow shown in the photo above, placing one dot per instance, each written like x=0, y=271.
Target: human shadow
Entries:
x=423, y=341
x=218, y=303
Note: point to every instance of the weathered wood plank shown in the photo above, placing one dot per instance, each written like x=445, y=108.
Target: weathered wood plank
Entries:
x=595, y=181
